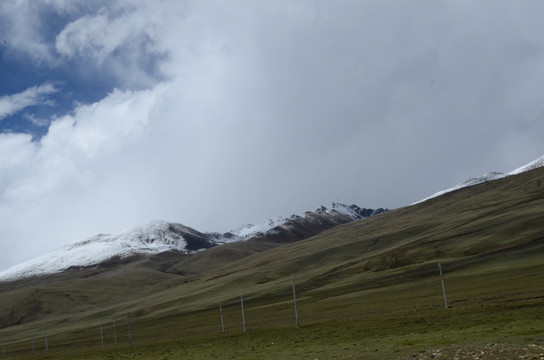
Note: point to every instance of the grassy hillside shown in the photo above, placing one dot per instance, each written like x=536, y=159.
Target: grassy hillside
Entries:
x=366, y=290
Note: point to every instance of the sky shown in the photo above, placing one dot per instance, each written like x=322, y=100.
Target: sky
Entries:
x=216, y=114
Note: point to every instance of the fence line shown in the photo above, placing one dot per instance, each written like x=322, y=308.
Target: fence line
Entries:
x=204, y=328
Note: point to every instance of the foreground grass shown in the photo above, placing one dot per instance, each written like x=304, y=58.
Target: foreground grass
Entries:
x=492, y=305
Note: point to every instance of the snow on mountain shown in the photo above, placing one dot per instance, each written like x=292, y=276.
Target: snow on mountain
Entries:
x=470, y=182
x=354, y=211
x=488, y=177
x=272, y=225
x=159, y=236
x=153, y=238
x=530, y=166
x=299, y=227
x=250, y=231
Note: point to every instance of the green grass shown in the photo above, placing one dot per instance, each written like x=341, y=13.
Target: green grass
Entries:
x=488, y=304
x=370, y=324
x=357, y=288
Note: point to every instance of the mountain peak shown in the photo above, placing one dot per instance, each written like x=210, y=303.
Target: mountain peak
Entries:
x=340, y=212
x=154, y=237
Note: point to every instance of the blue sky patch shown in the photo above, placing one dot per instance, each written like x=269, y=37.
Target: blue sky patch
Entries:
x=78, y=79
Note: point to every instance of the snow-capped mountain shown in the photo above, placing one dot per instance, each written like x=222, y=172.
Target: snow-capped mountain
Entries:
x=249, y=231
x=160, y=236
x=297, y=227
x=488, y=177
x=155, y=237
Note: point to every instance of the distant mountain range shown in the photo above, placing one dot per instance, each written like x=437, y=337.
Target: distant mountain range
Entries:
x=161, y=236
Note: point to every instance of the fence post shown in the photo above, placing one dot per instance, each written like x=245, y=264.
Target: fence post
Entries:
x=295, y=301
x=129, y=335
x=45, y=337
x=114, y=333
x=222, y=321
x=101, y=336
x=243, y=315
x=443, y=287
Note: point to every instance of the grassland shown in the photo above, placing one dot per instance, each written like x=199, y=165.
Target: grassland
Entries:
x=365, y=290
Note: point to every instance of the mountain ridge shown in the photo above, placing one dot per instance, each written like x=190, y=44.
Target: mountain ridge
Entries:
x=490, y=176
x=160, y=236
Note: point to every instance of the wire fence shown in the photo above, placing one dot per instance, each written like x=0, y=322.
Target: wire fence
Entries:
x=133, y=328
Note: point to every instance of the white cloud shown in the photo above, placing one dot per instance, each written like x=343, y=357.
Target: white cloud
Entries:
x=98, y=36
x=119, y=42
x=268, y=108
x=23, y=27
x=11, y=104
x=110, y=39
x=36, y=121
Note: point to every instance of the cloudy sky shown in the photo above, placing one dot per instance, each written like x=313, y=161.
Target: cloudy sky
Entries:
x=219, y=113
